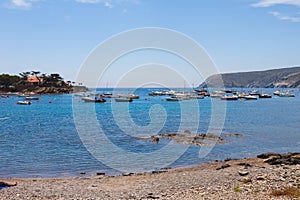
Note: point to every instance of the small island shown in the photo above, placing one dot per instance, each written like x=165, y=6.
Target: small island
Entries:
x=35, y=82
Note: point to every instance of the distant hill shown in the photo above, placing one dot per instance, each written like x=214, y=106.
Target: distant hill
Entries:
x=276, y=78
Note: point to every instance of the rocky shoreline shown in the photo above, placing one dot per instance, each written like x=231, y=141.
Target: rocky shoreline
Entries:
x=250, y=178
x=38, y=90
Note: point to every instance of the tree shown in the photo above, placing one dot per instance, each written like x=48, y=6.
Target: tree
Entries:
x=24, y=75
x=36, y=74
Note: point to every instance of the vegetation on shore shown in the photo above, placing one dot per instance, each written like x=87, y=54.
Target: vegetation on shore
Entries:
x=36, y=82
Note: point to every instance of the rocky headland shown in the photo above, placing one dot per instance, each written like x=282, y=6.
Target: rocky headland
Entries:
x=275, y=78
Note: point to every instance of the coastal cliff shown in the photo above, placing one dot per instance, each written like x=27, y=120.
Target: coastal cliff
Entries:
x=276, y=78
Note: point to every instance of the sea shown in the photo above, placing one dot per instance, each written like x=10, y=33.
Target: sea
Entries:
x=62, y=136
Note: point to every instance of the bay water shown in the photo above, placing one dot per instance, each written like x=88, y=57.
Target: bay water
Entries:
x=41, y=140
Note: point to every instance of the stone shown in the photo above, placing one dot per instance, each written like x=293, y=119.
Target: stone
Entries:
x=223, y=166
x=267, y=155
x=261, y=178
x=8, y=184
x=247, y=180
x=243, y=173
x=155, y=139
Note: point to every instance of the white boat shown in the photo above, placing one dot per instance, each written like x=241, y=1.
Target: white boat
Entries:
x=96, y=100
x=174, y=98
x=229, y=98
x=276, y=92
x=156, y=93
x=286, y=94
x=264, y=96
x=4, y=96
x=133, y=96
x=250, y=97
x=196, y=97
x=31, y=98
x=24, y=102
x=23, y=95
x=123, y=99
x=169, y=92
x=217, y=94
x=254, y=92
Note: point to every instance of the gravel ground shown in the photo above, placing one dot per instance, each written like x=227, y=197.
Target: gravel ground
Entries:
x=234, y=179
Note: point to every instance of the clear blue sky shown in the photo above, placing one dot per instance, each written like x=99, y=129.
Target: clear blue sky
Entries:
x=239, y=35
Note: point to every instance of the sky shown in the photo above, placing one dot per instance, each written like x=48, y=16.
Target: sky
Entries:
x=58, y=36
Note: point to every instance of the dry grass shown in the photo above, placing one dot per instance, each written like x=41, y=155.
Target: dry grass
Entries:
x=291, y=192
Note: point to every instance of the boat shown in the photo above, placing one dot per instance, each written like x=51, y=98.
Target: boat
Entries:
x=24, y=102
x=107, y=94
x=230, y=91
x=219, y=96
x=23, y=95
x=123, y=99
x=196, y=97
x=174, y=98
x=133, y=96
x=229, y=98
x=31, y=98
x=241, y=94
x=202, y=92
x=254, y=92
x=156, y=93
x=264, y=96
x=250, y=97
x=277, y=92
x=4, y=96
x=169, y=92
x=95, y=100
x=286, y=94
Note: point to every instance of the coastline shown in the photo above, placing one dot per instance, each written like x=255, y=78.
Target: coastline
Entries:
x=247, y=178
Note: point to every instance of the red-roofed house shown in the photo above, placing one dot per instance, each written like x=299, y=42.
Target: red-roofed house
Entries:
x=34, y=80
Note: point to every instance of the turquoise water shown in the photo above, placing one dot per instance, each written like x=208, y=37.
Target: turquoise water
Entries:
x=41, y=140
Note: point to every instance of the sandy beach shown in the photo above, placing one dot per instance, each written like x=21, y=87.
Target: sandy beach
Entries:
x=250, y=178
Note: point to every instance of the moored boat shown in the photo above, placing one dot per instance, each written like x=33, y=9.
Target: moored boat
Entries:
x=217, y=94
x=23, y=95
x=250, y=97
x=107, y=94
x=264, y=96
x=230, y=98
x=156, y=93
x=174, y=98
x=277, y=92
x=286, y=94
x=133, y=96
x=31, y=98
x=24, y=102
x=254, y=92
x=4, y=96
x=123, y=99
x=95, y=100
x=196, y=97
